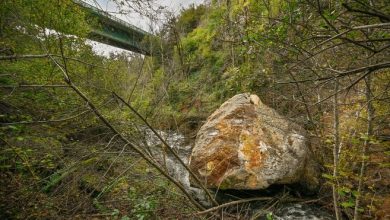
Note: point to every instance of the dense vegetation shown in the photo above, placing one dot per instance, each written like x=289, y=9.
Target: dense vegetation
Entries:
x=324, y=64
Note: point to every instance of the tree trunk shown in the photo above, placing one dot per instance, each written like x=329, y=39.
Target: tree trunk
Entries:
x=370, y=116
x=336, y=146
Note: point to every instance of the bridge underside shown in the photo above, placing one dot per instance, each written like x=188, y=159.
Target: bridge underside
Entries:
x=114, y=35
x=115, y=32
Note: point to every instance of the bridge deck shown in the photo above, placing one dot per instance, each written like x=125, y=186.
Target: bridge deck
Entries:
x=114, y=31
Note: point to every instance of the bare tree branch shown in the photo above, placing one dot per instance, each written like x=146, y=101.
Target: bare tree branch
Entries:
x=352, y=29
x=40, y=56
x=46, y=121
x=169, y=148
x=115, y=131
x=246, y=201
x=370, y=68
x=34, y=86
x=234, y=203
x=375, y=13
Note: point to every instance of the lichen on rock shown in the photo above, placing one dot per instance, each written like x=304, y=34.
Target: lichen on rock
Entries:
x=247, y=145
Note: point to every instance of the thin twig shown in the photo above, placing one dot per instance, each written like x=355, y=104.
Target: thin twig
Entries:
x=46, y=121
x=352, y=29
x=33, y=86
x=40, y=56
x=114, y=130
x=370, y=68
x=169, y=148
x=245, y=201
x=233, y=203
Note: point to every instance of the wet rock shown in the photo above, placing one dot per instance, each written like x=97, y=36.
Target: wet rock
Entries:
x=177, y=142
x=297, y=212
x=247, y=145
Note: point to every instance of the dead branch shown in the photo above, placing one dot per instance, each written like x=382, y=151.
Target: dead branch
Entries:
x=380, y=25
x=169, y=148
x=115, y=131
x=46, y=121
x=370, y=68
x=246, y=201
x=374, y=13
x=233, y=203
x=40, y=56
x=29, y=56
x=34, y=86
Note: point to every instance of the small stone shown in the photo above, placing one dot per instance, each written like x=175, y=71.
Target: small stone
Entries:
x=254, y=99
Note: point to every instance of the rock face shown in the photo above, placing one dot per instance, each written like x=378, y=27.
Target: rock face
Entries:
x=246, y=145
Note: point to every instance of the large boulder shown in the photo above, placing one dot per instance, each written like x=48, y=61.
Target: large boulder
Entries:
x=247, y=145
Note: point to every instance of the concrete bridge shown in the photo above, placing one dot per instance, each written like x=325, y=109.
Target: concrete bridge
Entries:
x=115, y=32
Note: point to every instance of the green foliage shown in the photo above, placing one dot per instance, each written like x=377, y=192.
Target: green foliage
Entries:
x=270, y=216
x=190, y=18
x=32, y=21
